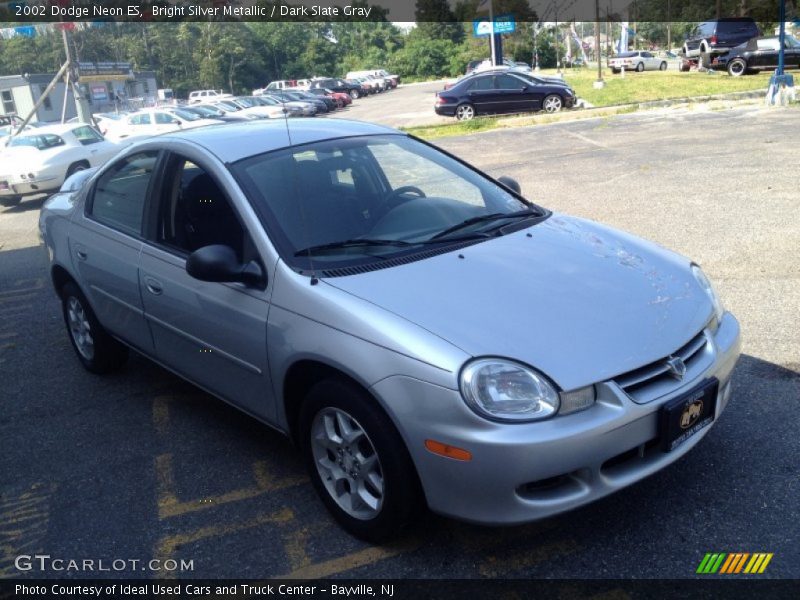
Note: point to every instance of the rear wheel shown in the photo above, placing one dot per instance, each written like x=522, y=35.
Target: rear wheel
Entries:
x=615, y=71
x=737, y=67
x=81, y=166
x=640, y=67
x=552, y=103
x=663, y=66
x=355, y=94
x=96, y=349
x=358, y=462
x=704, y=60
x=465, y=112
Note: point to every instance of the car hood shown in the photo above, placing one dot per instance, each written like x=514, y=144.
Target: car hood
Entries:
x=579, y=301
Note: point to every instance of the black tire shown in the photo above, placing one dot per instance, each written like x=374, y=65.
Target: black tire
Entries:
x=10, y=200
x=737, y=67
x=107, y=354
x=355, y=94
x=615, y=71
x=74, y=168
x=401, y=498
x=704, y=60
x=663, y=66
x=684, y=66
x=640, y=67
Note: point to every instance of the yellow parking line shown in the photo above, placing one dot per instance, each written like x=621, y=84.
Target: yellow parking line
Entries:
x=166, y=547
x=513, y=560
x=169, y=505
x=361, y=558
x=161, y=414
x=23, y=524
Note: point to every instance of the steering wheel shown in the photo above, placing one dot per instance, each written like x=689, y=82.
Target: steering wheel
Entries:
x=404, y=190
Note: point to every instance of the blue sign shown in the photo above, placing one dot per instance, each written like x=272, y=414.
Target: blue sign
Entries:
x=26, y=31
x=502, y=24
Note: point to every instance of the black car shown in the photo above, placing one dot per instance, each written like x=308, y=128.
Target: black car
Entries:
x=759, y=54
x=717, y=37
x=338, y=85
x=303, y=96
x=504, y=92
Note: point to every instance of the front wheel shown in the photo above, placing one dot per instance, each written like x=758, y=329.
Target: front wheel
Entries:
x=355, y=94
x=96, y=349
x=737, y=67
x=465, y=112
x=358, y=462
x=663, y=66
x=552, y=103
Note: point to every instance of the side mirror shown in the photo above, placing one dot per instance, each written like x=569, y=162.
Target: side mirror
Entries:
x=219, y=263
x=510, y=184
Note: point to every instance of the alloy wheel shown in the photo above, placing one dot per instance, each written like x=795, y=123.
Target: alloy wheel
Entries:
x=79, y=328
x=736, y=68
x=552, y=104
x=465, y=112
x=347, y=463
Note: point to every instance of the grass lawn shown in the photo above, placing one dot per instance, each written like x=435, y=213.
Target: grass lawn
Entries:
x=656, y=85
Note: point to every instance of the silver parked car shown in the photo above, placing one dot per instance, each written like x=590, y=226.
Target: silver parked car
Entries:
x=426, y=335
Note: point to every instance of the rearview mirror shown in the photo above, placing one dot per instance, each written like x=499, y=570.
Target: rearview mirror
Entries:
x=510, y=184
x=219, y=263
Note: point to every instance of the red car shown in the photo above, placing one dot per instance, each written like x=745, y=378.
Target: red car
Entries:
x=341, y=98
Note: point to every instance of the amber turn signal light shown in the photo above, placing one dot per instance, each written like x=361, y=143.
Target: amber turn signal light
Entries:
x=448, y=451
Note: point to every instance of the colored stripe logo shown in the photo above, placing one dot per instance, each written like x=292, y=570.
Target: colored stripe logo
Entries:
x=733, y=563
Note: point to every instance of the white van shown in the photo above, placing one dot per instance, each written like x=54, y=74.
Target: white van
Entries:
x=198, y=96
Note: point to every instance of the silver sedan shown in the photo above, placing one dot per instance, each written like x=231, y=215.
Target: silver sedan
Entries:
x=427, y=336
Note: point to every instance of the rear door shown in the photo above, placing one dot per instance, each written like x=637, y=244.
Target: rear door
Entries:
x=214, y=334
x=481, y=93
x=105, y=243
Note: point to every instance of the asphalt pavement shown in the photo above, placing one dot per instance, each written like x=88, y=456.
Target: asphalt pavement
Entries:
x=140, y=465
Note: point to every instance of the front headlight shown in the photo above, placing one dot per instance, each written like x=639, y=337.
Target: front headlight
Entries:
x=503, y=390
x=705, y=283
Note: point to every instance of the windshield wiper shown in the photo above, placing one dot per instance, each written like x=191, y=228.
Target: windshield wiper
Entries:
x=355, y=243
x=522, y=214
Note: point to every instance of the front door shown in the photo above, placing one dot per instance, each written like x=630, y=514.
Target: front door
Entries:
x=214, y=334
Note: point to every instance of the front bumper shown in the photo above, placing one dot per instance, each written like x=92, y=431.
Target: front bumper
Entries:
x=524, y=472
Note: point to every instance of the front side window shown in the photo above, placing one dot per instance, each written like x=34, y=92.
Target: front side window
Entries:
x=194, y=212
x=87, y=135
x=768, y=44
x=370, y=197
x=507, y=82
x=119, y=195
x=163, y=118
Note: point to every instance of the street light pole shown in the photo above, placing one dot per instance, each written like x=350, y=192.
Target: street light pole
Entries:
x=599, y=84
x=84, y=113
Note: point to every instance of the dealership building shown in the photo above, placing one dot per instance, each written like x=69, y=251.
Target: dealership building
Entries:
x=106, y=86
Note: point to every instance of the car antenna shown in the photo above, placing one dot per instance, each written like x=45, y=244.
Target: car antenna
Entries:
x=314, y=280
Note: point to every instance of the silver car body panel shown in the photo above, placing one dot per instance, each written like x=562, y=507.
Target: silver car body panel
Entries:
x=581, y=302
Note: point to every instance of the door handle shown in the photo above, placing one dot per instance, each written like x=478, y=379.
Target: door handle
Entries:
x=81, y=253
x=153, y=286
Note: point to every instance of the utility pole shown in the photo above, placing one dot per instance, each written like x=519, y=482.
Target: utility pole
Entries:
x=81, y=106
x=669, y=25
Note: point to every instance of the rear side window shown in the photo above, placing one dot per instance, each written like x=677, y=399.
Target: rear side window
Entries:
x=482, y=83
x=120, y=193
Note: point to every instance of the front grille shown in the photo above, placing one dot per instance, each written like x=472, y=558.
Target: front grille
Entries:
x=656, y=379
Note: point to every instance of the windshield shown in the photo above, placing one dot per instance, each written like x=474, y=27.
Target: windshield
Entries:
x=361, y=199
x=207, y=111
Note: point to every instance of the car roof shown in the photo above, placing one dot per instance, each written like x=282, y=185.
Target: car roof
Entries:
x=233, y=142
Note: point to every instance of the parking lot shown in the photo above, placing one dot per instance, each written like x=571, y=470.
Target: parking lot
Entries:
x=142, y=465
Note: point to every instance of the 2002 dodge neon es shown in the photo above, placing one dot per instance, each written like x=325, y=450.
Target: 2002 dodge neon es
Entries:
x=425, y=334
